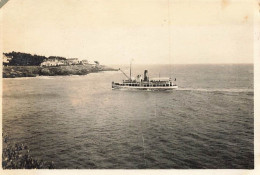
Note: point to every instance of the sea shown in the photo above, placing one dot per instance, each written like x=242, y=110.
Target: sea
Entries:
x=79, y=122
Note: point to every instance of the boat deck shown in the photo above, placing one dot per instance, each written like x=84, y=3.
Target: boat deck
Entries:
x=145, y=86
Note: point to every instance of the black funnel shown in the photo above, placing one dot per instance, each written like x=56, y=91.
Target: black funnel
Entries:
x=145, y=75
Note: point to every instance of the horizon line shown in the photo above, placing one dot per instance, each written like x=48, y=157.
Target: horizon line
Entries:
x=178, y=63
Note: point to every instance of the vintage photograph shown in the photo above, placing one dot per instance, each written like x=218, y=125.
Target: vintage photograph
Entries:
x=127, y=84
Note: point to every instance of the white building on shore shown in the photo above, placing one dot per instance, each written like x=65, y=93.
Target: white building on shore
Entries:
x=66, y=62
x=72, y=61
x=52, y=62
x=6, y=59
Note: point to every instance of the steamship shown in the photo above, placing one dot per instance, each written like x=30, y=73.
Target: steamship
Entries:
x=146, y=83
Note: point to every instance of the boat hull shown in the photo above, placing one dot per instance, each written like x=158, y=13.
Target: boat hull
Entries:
x=158, y=88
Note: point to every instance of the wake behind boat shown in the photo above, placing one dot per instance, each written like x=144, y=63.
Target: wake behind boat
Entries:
x=146, y=83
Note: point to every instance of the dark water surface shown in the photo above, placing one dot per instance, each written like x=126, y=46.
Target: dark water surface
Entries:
x=79, y=122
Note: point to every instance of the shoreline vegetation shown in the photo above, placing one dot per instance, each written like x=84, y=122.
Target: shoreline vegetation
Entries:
x=17, y=64
x=33, y=71
x=17, y=156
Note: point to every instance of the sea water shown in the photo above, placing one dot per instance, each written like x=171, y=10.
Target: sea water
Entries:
x=80, y=122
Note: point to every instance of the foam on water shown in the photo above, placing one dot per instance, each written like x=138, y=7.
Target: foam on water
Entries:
x=215, y=90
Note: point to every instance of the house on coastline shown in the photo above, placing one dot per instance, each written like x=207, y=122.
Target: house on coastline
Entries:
x=60, y=62
x=51, y=62
x=54, y=61
x=84, y=62
x=72, y=61
x=92, y=64
x=6, y=59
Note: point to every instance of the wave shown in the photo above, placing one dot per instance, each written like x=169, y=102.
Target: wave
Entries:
x=215, y=90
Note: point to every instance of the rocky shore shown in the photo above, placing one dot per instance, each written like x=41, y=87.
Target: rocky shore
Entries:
x=33, y=71
x=17, y=156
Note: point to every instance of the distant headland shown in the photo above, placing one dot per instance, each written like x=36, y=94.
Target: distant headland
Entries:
x=17, y=64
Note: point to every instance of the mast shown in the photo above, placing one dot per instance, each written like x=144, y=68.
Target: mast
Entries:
x=131, y=69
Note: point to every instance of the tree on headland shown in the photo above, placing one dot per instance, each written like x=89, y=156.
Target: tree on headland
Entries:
x=57, y=58
x=24, y=59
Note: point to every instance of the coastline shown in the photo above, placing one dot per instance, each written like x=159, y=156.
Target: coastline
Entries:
x=34, y=71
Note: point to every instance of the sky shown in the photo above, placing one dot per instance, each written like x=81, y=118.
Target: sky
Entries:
x=147, y=31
